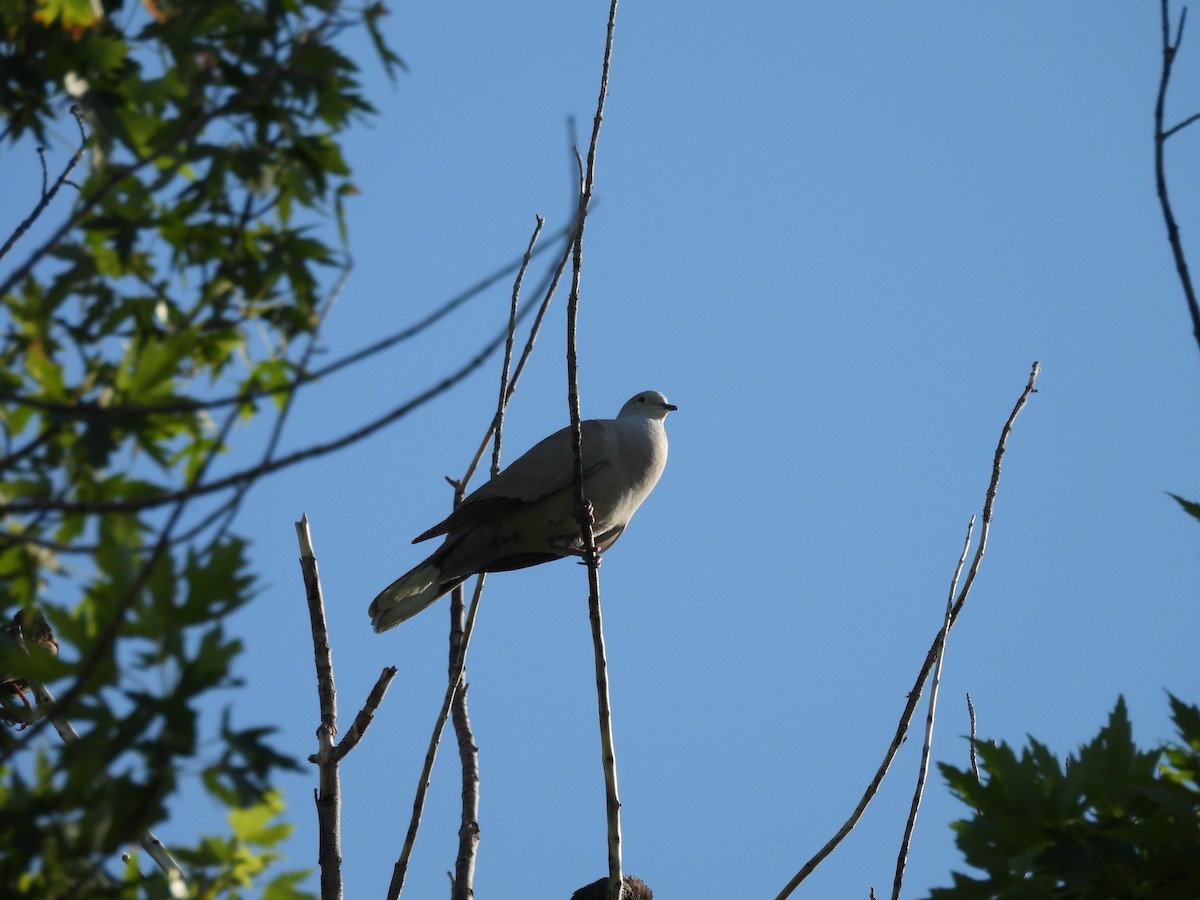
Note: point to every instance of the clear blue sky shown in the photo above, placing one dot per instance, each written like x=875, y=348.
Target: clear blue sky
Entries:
x=836, y=235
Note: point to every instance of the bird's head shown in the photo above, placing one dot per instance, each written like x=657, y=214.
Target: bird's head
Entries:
x=650, y=404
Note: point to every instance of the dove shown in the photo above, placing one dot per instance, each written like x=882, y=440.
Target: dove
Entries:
x=524, y=516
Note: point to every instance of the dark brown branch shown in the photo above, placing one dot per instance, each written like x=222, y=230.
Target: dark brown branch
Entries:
x=1169, y=51
x=930, y=658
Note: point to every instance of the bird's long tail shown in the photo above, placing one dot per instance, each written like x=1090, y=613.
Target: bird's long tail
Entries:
x=409, y=594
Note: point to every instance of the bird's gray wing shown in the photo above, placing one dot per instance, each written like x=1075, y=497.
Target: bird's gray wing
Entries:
x=546, y=468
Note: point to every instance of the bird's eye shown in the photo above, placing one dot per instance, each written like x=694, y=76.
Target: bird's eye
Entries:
x=641, y=399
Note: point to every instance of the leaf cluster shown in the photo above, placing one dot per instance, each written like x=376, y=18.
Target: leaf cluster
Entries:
x=1111, y=821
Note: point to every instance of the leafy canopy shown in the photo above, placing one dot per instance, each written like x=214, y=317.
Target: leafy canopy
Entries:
x=167, y=284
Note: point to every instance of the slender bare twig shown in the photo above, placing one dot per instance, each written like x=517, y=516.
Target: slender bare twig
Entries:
x=48, y=194
x=974, y=757
x=584, y=511
x=547, y=290
x=1170, y=50
x=401, y=867
x=915, y=694
x=508, y=346
x=927, y=746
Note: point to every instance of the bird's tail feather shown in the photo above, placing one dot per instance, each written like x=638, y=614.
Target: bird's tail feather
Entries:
x=408, y=595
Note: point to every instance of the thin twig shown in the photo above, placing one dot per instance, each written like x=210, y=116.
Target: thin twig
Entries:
x=974, y=757
x=1169, y=51
x=508, y=345
x=583, y=507
x=547, y=291
x=49, y=194
x=927, y=746
x=915, y=694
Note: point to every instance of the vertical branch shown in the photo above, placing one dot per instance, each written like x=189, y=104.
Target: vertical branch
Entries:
x=930, y=658
x=462, y=624
x=468, y=752
x=927, y=746
x=974, y=756
x=328, y=796
x=1169, y=51
x=400, y=869
x=584, y=510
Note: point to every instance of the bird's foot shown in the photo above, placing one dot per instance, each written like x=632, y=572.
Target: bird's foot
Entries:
x=591, y=559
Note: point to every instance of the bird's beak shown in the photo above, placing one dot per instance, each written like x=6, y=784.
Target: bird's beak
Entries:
x=670, y=407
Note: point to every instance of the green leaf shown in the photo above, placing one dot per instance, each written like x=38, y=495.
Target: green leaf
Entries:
x=1192, y=509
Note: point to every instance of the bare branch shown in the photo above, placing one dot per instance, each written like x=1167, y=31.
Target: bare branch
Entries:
x=927, y=746
x=508, y=346
x=401, y=867
x=930, y=658
x=591, y=555
x=328, y=796
x=547, y=292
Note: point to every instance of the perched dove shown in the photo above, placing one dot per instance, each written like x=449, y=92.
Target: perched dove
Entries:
x=524, y=516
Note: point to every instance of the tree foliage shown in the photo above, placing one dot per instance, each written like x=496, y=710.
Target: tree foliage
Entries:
x=1112, y=821
x=167, y=284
